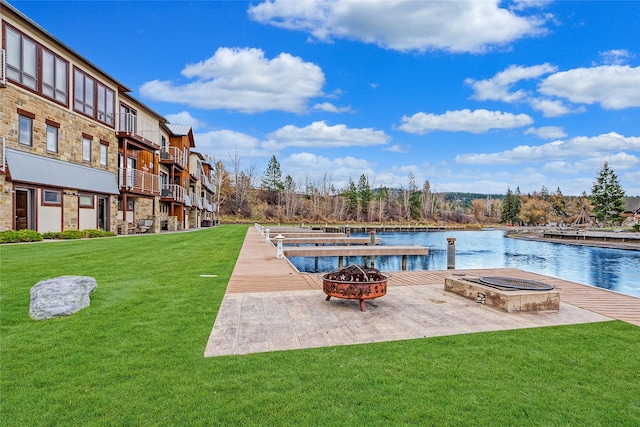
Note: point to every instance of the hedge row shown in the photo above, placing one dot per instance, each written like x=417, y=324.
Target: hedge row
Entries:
x=13, y=236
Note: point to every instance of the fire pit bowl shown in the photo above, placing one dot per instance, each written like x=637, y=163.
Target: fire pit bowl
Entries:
x=355, y=282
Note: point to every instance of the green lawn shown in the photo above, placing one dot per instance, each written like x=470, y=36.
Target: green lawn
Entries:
x=135, y=356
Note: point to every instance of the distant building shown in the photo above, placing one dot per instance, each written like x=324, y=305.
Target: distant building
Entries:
x=631, y=212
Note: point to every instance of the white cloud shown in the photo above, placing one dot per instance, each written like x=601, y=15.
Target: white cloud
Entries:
x=328, y=107
x=397, y=148
x=243, y=80
x=403, y=25
x=578, y=147
x=615, y=57
x=321, y=135
x=477, y=121
x=222, y=144
x=612, y=86
x=547, y=132
x=552, y=107
x=185, y=118
x=498, y=87
x=318, y=170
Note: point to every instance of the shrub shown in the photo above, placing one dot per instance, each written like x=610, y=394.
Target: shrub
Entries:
x=77, y=234
x=16, y=236
x=636, y=228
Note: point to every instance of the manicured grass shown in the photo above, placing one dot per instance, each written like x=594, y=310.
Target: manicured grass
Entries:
x=135, y=356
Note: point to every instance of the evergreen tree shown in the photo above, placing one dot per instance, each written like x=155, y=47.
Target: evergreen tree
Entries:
x=272, y=178
x=510, y=207
x=607, y=196
x=364, y=194
x=351, y=197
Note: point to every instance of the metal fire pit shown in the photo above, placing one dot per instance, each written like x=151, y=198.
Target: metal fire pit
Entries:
x=355, y=282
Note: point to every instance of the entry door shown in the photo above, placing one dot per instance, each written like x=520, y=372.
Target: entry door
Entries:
x=24, y=209
x=103, y=213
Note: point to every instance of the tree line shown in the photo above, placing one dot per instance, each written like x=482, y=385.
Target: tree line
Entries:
x=246, y=195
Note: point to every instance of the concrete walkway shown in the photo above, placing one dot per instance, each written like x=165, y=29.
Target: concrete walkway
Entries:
x=269, y=306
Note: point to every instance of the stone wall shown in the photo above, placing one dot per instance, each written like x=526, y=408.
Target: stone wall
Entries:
x=71, y=127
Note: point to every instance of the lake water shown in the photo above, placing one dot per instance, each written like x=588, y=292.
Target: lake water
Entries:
x=614, y=269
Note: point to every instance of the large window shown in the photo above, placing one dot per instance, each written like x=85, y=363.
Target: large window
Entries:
x=35, y=67
x=93, y=98
x=52, y=138
x=83, y=100
x=54, y=77
x=25, y=124
x=21, y=59
x=106, y=104
x=86, y=148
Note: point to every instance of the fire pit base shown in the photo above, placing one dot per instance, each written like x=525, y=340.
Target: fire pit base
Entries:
x=355, y=282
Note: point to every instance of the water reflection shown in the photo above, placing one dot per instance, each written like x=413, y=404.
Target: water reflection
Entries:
x=614, y=269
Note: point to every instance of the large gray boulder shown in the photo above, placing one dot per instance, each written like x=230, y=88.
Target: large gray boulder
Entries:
x=60, y=296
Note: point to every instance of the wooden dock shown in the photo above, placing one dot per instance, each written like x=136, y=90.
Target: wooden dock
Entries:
x=258, y=270
x=367, y=252
x=326, y=241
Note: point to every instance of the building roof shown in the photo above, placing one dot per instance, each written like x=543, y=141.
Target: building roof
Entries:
x=179, y=130
x=631, y=204
x=30, y=168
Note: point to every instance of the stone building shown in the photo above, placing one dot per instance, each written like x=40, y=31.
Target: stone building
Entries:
x=78, y=151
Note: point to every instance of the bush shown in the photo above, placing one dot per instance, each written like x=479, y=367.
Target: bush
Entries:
x=77, y=234
x=13, y=236
x=636, y=228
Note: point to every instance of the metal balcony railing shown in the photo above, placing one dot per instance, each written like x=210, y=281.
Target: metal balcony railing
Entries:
x=133, y=125
x=175, y=155
x=173, y=191
x=138, y=181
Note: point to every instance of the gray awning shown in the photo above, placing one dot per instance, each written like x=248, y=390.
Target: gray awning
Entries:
x=30, y=168
x=187, y=200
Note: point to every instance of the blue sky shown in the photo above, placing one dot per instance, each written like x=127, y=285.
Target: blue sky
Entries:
x=474, y=96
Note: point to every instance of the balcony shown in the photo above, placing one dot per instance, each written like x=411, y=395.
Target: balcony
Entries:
x=175, y=156
x=172, y=192
x=137, y=181
x=136, y=128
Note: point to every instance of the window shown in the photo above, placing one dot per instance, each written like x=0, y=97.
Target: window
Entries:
x=52, y=197
x=21, y=59
x=35, y=67
x=26, y=130
x=54, y=77
x=83, y=93
x=104, y=153
x=86, y=148
x=52, y=138
x=106, y=105
x=85, y=200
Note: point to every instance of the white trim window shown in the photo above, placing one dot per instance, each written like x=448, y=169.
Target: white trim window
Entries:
x=25, y=131
x=52, y=139
x=104, y=154
x=86, y=149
